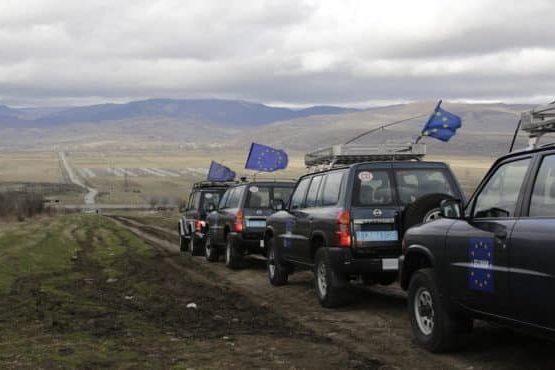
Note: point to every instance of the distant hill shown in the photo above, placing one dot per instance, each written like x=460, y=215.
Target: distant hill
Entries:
x=163, y=123
x=233, y=113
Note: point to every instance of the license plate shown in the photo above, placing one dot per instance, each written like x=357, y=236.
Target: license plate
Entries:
x=256, y=223
x=390, y=264
x=377, y=236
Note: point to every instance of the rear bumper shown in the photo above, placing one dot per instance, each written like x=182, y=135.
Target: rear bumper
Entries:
x=249, y=242
x=342, y=260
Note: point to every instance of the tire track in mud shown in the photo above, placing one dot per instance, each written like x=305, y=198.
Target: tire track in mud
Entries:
x=375, y=325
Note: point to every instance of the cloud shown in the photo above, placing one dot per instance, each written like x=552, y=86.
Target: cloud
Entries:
x=284, y=51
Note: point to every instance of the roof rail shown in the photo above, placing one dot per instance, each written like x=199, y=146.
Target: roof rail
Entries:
x=537, y=122
x=255, y=177
x=345, y=154
x=207, y=184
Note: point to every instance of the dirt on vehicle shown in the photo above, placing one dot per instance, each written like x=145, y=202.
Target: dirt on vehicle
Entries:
x=374, y=326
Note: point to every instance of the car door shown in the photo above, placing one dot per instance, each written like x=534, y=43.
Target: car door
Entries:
x=215, y=218
x=305, y=218
x=532, y=251
x=477, y=248
x=292, y=240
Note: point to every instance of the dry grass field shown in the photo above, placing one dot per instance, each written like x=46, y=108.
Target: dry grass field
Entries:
x=137, y=177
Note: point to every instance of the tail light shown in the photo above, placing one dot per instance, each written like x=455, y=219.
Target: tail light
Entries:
x=344, y=229
x=239, y=221
x=198, y=225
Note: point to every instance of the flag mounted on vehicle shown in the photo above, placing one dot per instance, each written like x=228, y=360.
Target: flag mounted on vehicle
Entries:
x=266, y=159
x=219, y=172
x=441, y=125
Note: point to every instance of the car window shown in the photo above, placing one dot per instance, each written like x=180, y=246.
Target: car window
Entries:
x=499, y=196
x=312, y=196
x=372, y=188
x=224, y=199
x=332, y=187
x=298, y=196
x=234, y=197
x=210, y=198
x=195, y=201
x=543, y=195
x=282, y=193
x=415, y=183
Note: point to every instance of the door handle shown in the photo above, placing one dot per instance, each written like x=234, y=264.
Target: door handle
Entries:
x=310, y=219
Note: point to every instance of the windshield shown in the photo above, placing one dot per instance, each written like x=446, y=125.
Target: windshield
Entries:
x=262, y=196
x=374, y=187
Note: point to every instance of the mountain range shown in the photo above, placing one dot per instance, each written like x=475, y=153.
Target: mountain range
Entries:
x=225, y=112
x=197, y=123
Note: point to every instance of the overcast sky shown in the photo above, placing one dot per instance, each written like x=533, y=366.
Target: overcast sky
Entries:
x=58, y=52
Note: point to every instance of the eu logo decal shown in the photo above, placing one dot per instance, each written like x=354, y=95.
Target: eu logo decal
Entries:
x=480, y=273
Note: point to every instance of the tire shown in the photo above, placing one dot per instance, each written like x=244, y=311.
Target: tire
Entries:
x=330, y=285
x=233, y=257
x=210, y=251
x=183, y=244
x=433, y=327
x=424, y=209
x=278, y=274
x=195, y=247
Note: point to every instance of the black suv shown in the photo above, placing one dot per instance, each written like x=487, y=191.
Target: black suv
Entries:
x=347, y=222
x=238, y=225
x=493, y=259
x=192, y=226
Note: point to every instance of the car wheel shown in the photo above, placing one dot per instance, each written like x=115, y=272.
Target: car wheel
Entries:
x=194, y=247
x=211, y=253
x=433, y=327
x=277, y=273
x=424, y=209
x=183, y=244
x=330, y=285
x=233, y=258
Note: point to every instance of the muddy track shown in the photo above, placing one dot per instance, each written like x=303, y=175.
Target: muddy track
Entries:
x=375, y=325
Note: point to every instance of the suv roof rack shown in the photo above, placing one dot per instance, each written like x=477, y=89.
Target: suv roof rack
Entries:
x=345, y=154
x=537, y=122
x=253, y=178
x=212, y=184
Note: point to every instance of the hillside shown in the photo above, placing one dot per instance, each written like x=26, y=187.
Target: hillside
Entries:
x=487, y=128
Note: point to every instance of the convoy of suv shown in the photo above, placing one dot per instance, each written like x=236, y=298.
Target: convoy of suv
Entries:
x=489, y=258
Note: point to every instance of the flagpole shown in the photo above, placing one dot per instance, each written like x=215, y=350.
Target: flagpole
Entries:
x=383, y=126
x=429, y=119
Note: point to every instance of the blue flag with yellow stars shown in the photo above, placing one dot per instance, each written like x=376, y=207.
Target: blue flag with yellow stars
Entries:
x=441, y=125
x=219, y=172
x=266, y=159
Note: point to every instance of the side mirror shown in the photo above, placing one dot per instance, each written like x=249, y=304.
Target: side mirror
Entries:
x=182, y=209
x=211, y=207
x=278, y=205
x=452, y=208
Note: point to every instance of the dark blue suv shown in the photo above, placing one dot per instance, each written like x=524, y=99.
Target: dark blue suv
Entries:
x=347, y=222
x=492, y=258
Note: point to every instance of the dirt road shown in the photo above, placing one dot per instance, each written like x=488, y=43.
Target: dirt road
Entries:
x=91, y=192
x=374, y=327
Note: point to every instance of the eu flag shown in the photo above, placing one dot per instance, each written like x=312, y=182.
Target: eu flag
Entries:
x=441, y=125
x=219, y=172
x=480, y=274
x=266, y=159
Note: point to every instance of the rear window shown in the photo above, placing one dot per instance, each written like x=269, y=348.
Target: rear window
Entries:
x=415, y=183
x=262, y=196
x=372, y=188
x=210, y=198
